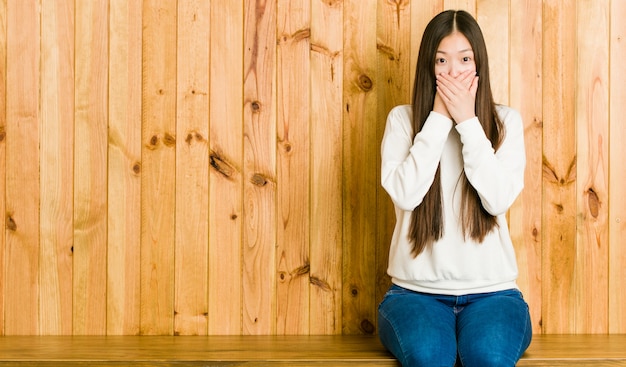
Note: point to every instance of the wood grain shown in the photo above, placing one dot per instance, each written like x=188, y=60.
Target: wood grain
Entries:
x=158, y=168
x=23, y=120
x=225, y=180
x=57, y=170
x=124, y=169
x=524, y=95
x=592, y=122
x=90, y=168
x=259, y=169
x=617, y=160
x=394, y=65
x=559, y=166
x=495, y=23
x=293, y=166
x=192, y=169
x=3, y=156
x=198, y=167
x=327, y=65
x=545, y=350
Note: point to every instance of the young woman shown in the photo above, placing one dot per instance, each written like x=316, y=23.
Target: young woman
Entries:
x=453, y=163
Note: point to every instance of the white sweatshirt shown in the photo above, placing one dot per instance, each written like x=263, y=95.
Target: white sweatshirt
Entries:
x=454, y=266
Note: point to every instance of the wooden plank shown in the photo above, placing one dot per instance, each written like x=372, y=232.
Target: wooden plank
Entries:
x=158, y=167
x=394, y=68
x=525, y=96
x=124, y=169
x=259, y=169
x=360, y=173
x=327, y=70
x=3, y=156
x=545, y=350
x=23, y=122
x=56, y=171
x=617, y=160
x=493, y=17
x=592, y=106
x=293, y=165
x=559, y=165
x=90, y=168
x=226, y=159
x=192, y=169
x=196, y=351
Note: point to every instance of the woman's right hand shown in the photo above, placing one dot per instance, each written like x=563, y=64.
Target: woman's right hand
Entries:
x=440, y=107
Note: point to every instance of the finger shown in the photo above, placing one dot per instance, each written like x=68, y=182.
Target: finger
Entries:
x=451, y=85
x=467, y=78
x=474, y=86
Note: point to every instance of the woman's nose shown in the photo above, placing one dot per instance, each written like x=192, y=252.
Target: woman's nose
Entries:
x=455, y=70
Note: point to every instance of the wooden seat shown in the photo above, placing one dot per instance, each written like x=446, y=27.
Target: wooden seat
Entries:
x=545, y=350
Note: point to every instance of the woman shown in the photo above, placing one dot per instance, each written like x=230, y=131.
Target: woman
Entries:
x=453, y=163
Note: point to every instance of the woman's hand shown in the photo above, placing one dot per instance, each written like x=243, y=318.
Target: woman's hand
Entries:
x=458, y=95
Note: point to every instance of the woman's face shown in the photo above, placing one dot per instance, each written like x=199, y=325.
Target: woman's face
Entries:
x=454, y=55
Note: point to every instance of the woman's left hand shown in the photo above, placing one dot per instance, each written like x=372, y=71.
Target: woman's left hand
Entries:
x=459, y=94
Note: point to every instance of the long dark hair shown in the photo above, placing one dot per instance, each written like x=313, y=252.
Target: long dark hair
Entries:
x=427, y=218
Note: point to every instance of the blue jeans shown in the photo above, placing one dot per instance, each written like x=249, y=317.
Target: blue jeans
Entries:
x=476, y=330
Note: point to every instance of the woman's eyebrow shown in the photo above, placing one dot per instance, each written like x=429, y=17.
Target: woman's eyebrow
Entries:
x=461, y=51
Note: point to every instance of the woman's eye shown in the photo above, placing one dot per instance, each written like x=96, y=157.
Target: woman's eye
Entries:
x=466, y=59
x=440, y=61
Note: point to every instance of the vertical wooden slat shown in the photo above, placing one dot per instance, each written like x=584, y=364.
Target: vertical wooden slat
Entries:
x=394, y=67
x=525, y=96
x=57, y=163
x=158, y=167
x=360, y=171
x=192, y=169
x=3, y=171
x=326, y=165
x=559, y=165
x=259, y=169
x=591, y=280
x=124, y=169
x=617, y=160
x=22, y=168
x=226, y=160
x=293, y=165
x=493, y=18
x=90, y=168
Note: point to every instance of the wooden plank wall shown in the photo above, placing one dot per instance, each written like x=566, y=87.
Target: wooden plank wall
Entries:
x=199, y=167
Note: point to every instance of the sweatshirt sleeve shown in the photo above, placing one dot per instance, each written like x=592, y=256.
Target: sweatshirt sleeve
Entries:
x=498, y=177
x=409, y=164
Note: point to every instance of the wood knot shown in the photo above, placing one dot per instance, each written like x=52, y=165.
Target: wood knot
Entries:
x=367, y=327
x=220, y=165
x=365, y=83
x=320, y=283
x=154, y=142
x=256, y=106
x=3, y=134
x=593, y=202
x=193, y=135
x=354, y=292
x=258, y=180
x=169, y=140
x=10, y=223
x=137, y=168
